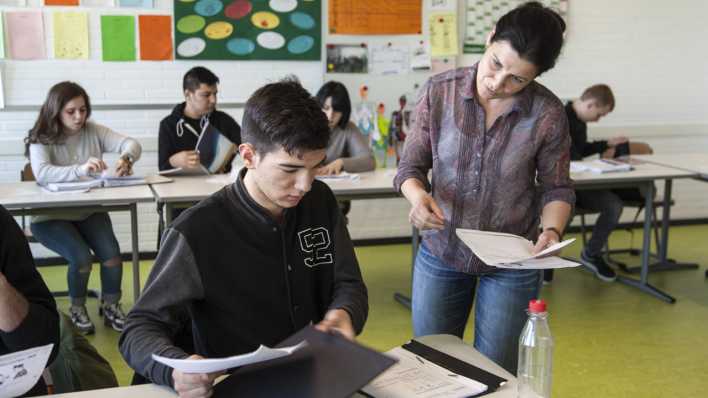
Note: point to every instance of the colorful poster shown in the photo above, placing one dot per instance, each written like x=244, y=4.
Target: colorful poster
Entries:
x=25, y=35
x=118, y=37
x=61, y=2
x=135, y=4
x=375, y=17
x=482, y=15
x=443, y=34
x=248, y=30
x=155, y=37
x=71, y=37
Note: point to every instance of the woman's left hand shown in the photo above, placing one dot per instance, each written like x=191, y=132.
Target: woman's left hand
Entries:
x=547, y=238
x=332, y=168
x=124, y=167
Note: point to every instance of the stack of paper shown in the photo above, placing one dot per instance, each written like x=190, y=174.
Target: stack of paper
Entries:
x=343, y=176
x=504, y=250
x=600, y=166
x=98, y=182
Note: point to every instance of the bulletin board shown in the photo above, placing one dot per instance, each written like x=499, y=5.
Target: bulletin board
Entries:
x=481, y=15
x=375, y=17
x=248, y=30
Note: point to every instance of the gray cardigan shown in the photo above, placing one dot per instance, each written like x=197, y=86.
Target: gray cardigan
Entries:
x=62, y=162
x=350, y=144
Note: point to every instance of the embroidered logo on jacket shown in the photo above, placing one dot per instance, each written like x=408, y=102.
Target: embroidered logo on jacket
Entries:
x=315, y=241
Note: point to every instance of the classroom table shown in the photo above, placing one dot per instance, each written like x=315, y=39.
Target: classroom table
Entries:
x=448, y=344
x=28, y=198
x=643, y=174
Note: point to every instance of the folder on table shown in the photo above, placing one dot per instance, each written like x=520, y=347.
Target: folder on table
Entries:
x=330, y=366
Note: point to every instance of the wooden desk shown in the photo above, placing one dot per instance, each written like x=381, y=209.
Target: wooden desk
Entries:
x=28, y=198
x=448, y=344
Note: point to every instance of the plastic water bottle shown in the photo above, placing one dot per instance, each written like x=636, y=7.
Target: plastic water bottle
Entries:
x=535, y=354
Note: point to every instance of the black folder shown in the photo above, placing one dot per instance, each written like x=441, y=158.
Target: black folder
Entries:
x=456, y=366
x=330, y=366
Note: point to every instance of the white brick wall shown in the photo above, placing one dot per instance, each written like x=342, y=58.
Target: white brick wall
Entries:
x=650, y=52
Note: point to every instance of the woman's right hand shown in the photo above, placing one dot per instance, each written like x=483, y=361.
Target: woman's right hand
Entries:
x=93, y=166
x=425, y=213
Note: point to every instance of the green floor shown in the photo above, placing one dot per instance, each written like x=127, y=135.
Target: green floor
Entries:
x=611, y=340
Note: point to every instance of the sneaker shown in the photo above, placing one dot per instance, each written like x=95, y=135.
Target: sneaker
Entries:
x=80, y=319
x=598, y=265
x=113, y=316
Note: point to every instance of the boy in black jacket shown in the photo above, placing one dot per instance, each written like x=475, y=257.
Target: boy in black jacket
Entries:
x=28, y=314
x=180, y=130
x=256, y=261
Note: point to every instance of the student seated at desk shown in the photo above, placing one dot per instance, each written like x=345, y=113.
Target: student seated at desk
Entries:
x=256, y=261
x=347, y=150
x=180, y=130
x=596, y=102
x=28, y=314
x=65, y=146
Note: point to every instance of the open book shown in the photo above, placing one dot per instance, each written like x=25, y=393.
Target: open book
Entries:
x=600, y=166
x=215, y=152
x=504, y=250
x=103, y=181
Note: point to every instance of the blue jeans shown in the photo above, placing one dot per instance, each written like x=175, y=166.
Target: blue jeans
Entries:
x=74, y=240
x=443, y=297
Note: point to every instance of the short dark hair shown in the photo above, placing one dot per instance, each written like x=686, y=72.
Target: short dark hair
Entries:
x=48, y=128
x=340, y=100
x=601, y=93
x=284, y=114
x=197, y=76
x=533, y=31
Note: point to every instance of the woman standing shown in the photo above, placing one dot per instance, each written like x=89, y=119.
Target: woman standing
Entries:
x=498, y=146
x=65, y=146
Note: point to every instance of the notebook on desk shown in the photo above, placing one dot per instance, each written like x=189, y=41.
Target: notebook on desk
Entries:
x=328, y=367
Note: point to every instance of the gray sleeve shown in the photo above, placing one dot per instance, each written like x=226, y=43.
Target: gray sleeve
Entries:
x=361, y=157
x=45, y=172
x=173, y=283
x=118, y=143
x=349, y=293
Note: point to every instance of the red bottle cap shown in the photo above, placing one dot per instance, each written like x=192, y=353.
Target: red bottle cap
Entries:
x=537, y=306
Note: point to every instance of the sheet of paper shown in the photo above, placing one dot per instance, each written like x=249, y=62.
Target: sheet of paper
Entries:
x=262, y=354
x=599, y=166
x=551, y=262
x=420, y=57
x=441, y=5
x=20, y=370
x=343, y=176
x=155, y=37
x=135, y=3
x=13, y=3
x=25, y=34
x=415, y=377
x=71, y=37
x=443, y=34
x=118, y=37
x=496, y=248
x=388, y=59
x=2, y=47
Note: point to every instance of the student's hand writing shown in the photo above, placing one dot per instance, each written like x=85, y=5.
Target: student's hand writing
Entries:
x=93, y=166
x=185, y=159
x=337, y=321
x=332, y=168
x=425, y=213
x=194, y=385
x=614, y=141
x=546, y=239
x=124, y=167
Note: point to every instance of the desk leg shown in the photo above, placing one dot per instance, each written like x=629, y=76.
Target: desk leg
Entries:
x=168, y=214
x=664, y=263
x=643, y=283
x=160, y=223
x=415, y=241
x=136, y=250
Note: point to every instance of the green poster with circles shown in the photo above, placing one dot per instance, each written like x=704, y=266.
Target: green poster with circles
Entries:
x=248, y=29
